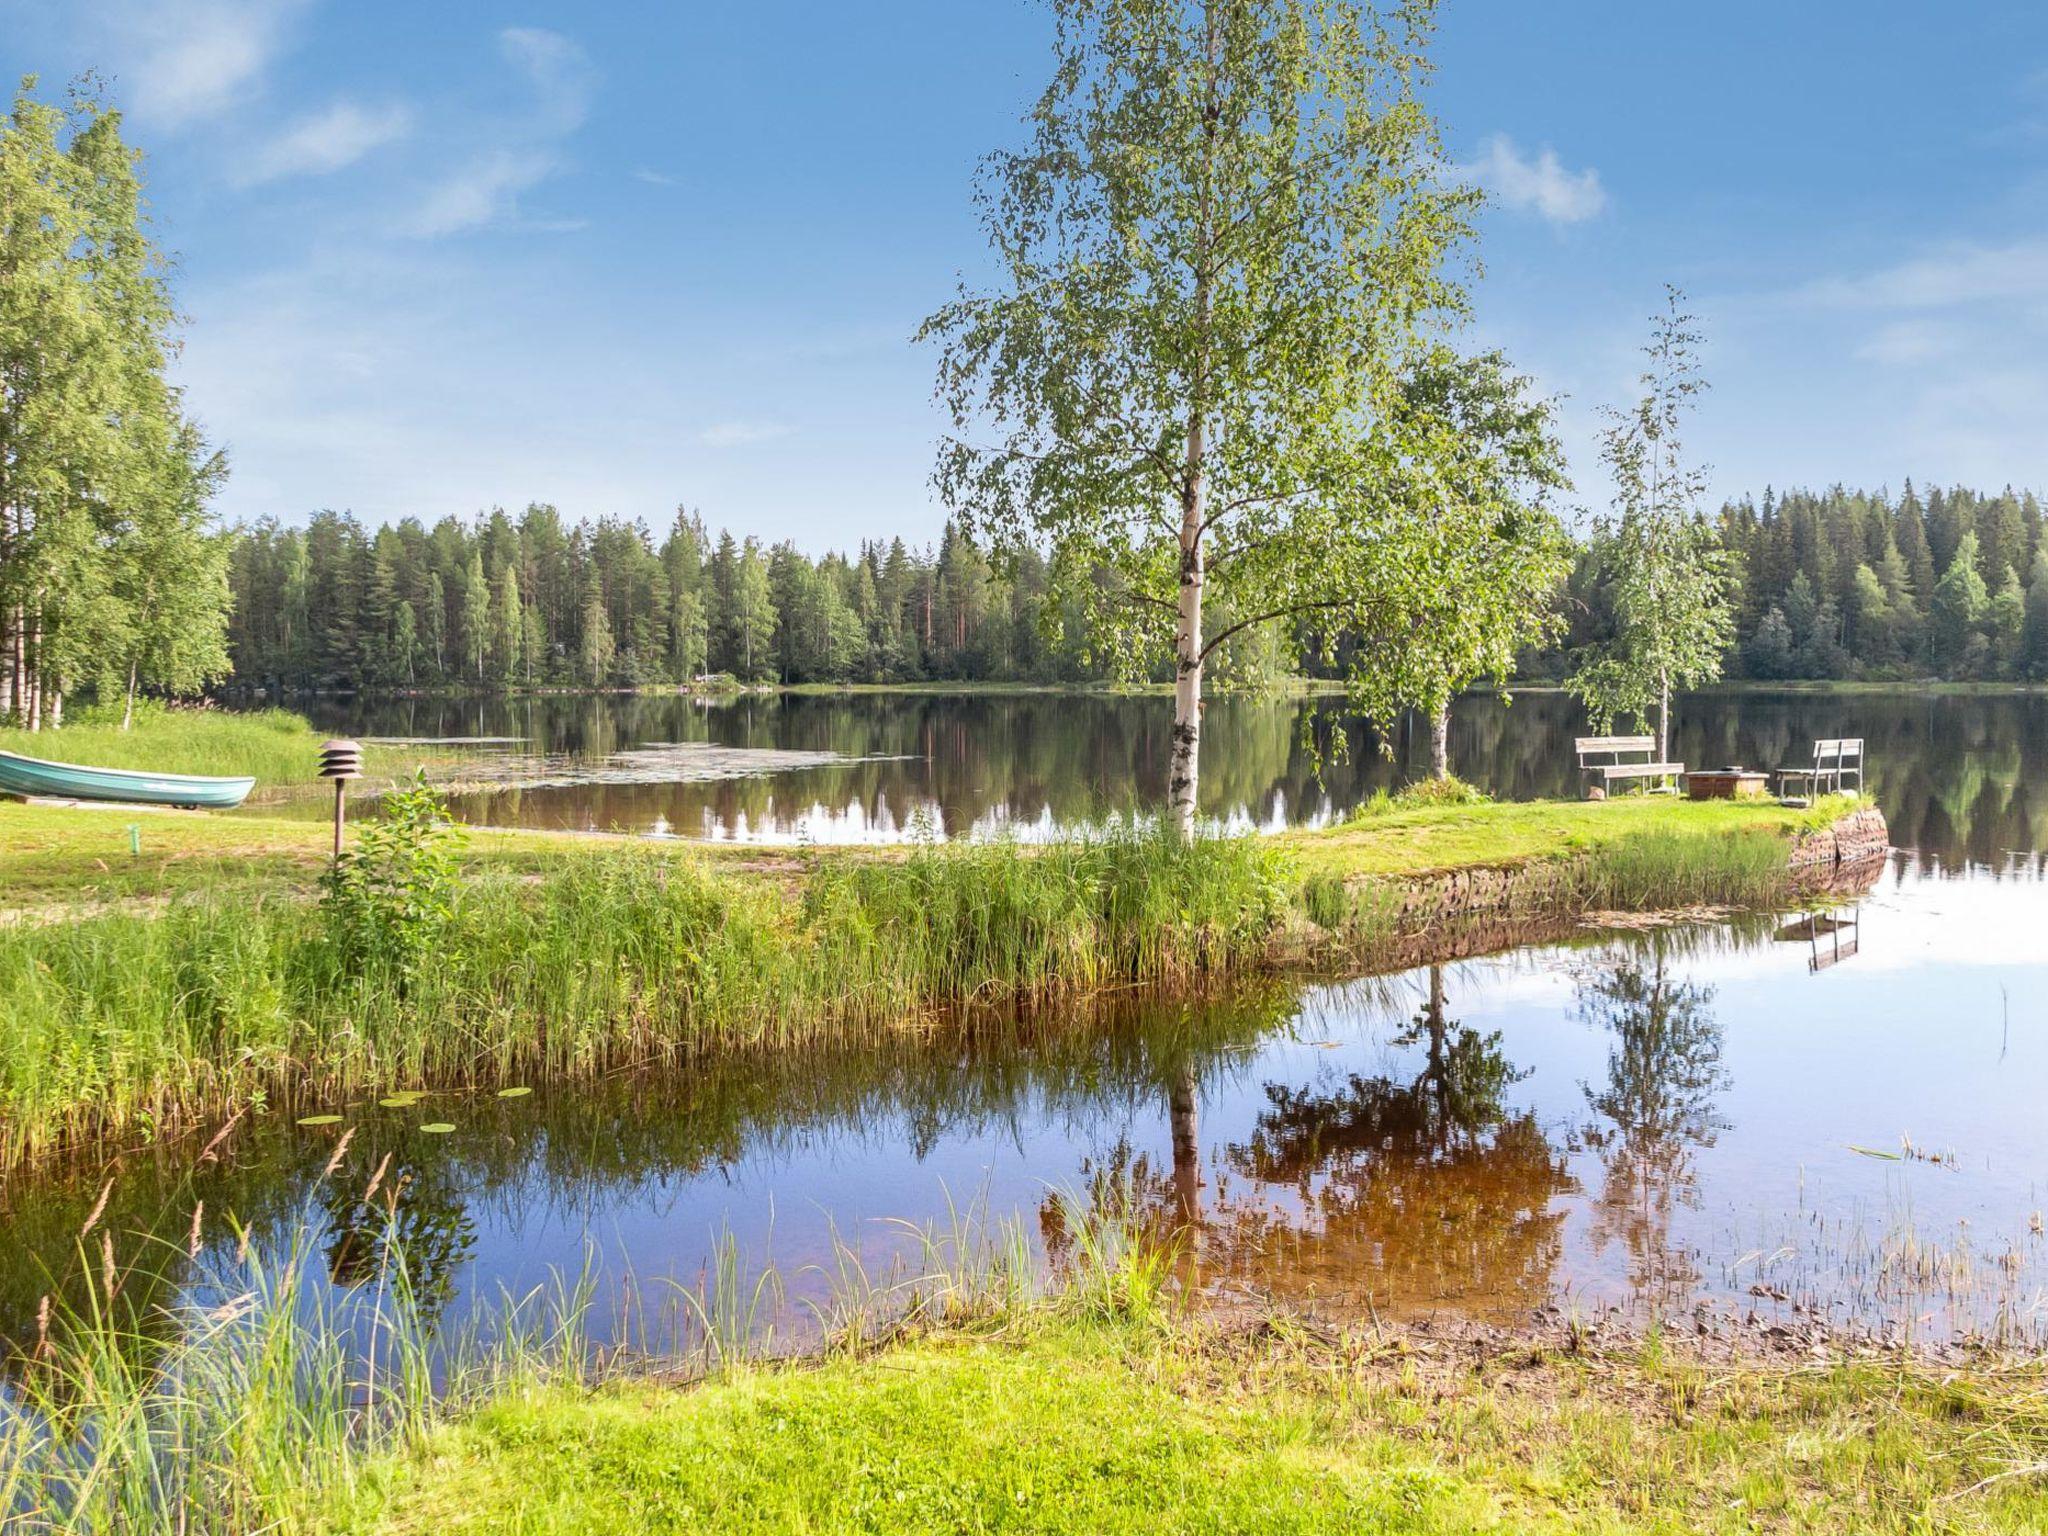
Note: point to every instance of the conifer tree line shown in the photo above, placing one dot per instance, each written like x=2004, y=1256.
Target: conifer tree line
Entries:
x=113, y=576
x=1849, y=584
x=1948, y=583
x=538, y=601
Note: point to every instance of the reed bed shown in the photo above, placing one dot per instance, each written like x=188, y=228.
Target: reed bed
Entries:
x=125, y=1024
x=148, y=1024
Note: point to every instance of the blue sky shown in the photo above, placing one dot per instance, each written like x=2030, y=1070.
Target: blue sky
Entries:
x=619, y=256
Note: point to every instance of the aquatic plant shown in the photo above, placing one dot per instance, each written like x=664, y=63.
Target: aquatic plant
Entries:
x=131, y=1023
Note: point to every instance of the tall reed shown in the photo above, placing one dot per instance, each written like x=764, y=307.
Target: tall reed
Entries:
x=267, y=1405
x=123, y=1023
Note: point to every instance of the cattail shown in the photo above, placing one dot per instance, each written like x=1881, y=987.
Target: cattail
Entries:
x=212, y=1149
x=42, y=1327
x=376, y=1179
x=109, y=1280
x=340, y=1151
x=192, y=1242
x=99, y=1209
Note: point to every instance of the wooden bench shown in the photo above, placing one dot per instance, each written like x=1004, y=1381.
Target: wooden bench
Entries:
x=1628, y=757
x=1836, y=760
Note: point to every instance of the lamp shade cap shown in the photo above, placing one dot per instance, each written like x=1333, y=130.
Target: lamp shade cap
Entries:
x=341, y=759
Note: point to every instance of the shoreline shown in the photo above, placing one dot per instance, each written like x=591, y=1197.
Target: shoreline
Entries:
x=1100, y=1407
x=184, y=986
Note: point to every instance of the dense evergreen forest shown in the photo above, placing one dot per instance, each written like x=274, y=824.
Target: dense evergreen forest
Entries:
x=1840, y=584
x=1949, y=584
x=536, y=601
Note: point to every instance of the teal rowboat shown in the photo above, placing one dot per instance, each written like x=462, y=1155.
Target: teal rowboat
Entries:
x=71, y=781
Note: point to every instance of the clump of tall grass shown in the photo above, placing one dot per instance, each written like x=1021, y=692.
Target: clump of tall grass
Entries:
x=1669, y=868
x=273, y=746
x=144, y=1023
x=1420, y=795
x=1129, y=903
x=258, y=1406
x=269, y=1403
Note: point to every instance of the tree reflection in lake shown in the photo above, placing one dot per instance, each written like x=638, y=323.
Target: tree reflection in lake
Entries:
x=1406, y=1188
x=1657, y=1106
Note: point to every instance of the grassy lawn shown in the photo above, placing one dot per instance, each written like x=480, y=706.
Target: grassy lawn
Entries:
x=274, y=746
x=58, y=854
x=1091, y=1426
x=1407, y=841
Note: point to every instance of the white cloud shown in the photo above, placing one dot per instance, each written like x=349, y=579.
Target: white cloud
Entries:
x=562, y=74
x=1956, y=275
x=654, y=178
x=180, y=61
x=478, y=194
x=328, y=141
x=1541, y=185
x=737, y=434
x=486, y=189
x=1906, y=342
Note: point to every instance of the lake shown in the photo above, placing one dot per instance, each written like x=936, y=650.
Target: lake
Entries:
x=1959, y=776
x=1833, y=1121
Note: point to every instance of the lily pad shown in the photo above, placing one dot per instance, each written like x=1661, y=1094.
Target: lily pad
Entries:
x=513, y=1093
x=437, y=1128
x=400, y=1100
x=320, y=1120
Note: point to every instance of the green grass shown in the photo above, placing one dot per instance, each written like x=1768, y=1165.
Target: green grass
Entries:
x=1065, y=1425
x=969, y=1401
x=1398, y=840
x=274, y=746
x=129, y=1022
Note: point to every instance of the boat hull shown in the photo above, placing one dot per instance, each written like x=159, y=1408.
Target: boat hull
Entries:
x=73, y=781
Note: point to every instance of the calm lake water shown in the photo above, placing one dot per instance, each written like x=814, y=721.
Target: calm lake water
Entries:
x=1962, y=778
x=1839, y=1120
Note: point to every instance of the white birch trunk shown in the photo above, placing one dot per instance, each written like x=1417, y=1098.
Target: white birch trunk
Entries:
x=1185, y=767
x=1440, y=742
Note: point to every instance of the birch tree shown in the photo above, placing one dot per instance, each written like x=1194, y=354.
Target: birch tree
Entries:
x=1472, y=510
x=110, y=570
x=1673, y=582
x=1229, y=227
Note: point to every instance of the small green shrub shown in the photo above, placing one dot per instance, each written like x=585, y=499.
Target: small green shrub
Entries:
x=1445, y=791
x=387, y=899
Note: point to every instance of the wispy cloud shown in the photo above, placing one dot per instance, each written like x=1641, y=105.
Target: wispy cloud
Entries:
x=1944, y=279
x=1911, y=342
x=480, y=193
x=327, y=141
x=738, y=434
x=486, y=188
x=180, y=61
x=1538, y=184
x=563, y=76
x=654, y=178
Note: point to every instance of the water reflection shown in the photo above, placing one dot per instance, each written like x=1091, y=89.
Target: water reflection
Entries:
x=1655, y=1110
x=1639, y=1118
x=1407, y=1189
x=1963, y=778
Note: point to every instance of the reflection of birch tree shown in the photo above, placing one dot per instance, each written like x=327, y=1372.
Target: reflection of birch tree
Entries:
x=1407, y=1188
x=1663, y=1076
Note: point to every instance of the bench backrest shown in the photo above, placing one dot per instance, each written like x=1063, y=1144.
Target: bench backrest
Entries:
x=1616, y=747
x=1838, y=752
